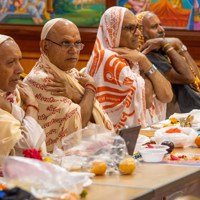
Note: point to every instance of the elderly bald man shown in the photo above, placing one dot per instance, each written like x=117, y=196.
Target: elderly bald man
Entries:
x=19, y=127
x=64, y=105
x=173, y=60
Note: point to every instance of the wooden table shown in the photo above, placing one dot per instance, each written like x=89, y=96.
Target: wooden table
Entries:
x=163, y=179
x=166, y=181
x=149, y=182
x=149, y=132
x=104, y=192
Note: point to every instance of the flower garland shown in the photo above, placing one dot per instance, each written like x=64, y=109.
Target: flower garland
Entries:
x=33, y=153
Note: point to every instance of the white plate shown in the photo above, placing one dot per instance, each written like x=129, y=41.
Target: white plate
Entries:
x=160, y=124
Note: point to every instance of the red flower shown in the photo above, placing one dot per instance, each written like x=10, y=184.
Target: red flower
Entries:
x=32, y=153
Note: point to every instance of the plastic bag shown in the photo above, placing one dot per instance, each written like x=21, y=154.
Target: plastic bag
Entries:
x=40, y=178
x=93, y=143
x=185, y=138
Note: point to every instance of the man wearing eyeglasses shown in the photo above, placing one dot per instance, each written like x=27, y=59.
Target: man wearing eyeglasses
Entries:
x=66, y=97
x=129, y=87
x=173, y=60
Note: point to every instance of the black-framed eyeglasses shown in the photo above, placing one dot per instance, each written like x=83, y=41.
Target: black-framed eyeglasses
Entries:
x=131, y=28
x=65, y=45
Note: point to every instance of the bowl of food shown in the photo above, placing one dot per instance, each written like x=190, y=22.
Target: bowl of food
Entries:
x=152, y=155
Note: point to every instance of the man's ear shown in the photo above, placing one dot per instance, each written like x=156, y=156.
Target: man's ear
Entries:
x=44, y=46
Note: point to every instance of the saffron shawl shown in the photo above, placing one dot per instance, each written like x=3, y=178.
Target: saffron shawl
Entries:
x=10, y=130
x=58, y=115
x=157, y=112
x=18, y=132
x=120, y=88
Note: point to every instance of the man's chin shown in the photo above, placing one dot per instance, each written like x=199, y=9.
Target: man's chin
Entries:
x=134, y=46
x=11, y=90
x=68, y=67
x=161, y=36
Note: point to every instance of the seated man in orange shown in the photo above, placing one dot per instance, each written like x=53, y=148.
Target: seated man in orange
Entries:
x=66, y=97
x=127, y=82
x=172, y=59
x=19, y=127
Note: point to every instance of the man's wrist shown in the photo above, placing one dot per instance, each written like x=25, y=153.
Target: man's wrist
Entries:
x=166, y=46
x=182, y=49
x=151, y=70
x=90, y=87
x=32, y=106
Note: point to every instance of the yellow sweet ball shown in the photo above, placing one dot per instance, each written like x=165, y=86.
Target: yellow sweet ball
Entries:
x=98, y=167
x=48, y=159
x=127, y=166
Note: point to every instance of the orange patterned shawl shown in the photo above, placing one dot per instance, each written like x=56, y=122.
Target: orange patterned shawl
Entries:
x=120, y=88
x=58, y=115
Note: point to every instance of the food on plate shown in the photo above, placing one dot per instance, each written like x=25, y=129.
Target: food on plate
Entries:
x=173, y=120
x=186, y=122
x=173, y=157
x=98, y=167
x=127, y=166
x=170, y=145
x=48, y=159
x=166, y=125
x=173, y=130
x=83, y=194
x=197, y=141
x=183, y=157
x=189, y=118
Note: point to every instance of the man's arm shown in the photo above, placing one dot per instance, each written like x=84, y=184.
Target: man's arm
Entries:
x=148, y=91
x=87, y=101
x=86, y=105
x=161, y=86
x=28, y=99
x=60, y=87
x=191, y=62
x=32, y=135
x=182, y=50
x=180, y=73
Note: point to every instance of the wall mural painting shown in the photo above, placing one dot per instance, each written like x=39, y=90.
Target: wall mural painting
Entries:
x=177, y=14
x=36, y=12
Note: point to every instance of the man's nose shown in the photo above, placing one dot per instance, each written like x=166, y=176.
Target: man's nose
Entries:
x=72, y=49
x=19, y=68
x=137, y=32
x=161, y=29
